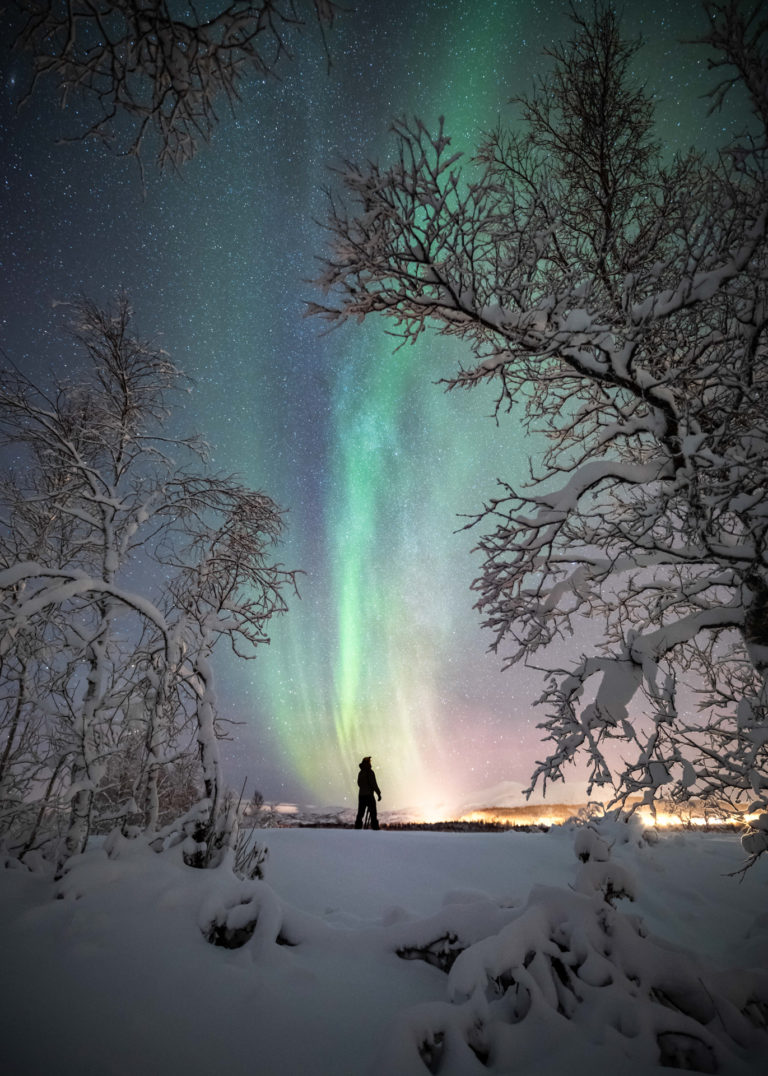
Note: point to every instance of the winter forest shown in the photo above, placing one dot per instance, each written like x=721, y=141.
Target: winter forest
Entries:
x=252, y=530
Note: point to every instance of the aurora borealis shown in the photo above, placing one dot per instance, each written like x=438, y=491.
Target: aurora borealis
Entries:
x=383, y=654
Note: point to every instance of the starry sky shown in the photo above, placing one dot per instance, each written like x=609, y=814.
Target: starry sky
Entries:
x=383, y=654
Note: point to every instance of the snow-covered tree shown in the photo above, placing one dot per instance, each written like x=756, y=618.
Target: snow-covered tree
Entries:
x=158, y=71
x=617, y=295
x=120, y=568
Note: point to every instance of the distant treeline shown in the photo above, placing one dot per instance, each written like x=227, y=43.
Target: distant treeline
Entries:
x=448, y=827
x=467, y=827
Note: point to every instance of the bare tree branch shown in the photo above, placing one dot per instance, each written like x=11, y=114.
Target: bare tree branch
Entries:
x=155, y=78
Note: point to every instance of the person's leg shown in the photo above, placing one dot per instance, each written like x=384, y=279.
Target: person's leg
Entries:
x=374, y=816
x=360, y=812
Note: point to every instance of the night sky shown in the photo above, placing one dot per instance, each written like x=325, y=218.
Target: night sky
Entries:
x=383, y=654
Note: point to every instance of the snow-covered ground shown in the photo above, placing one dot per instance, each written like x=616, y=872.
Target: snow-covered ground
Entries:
x=116, y=977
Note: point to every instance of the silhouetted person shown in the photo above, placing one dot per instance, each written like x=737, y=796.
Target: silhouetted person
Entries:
x=367, y=790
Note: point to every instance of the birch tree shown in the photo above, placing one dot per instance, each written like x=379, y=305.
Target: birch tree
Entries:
x=155, y=72
x=93, y=636
x=618, y=297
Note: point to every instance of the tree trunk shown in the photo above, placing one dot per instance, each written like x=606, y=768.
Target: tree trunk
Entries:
x=82, y=769
x=79, y=822
x=756, y=624
x=21, y=698
x=44, y=804
x=206, y=733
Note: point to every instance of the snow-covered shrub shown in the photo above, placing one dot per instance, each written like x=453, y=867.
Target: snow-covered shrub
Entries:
x=8, y=859
x=231, y=917
x=589, y=845
x=625, y=828
x=439, y=939
x=593, y=843
x=440, y=952
x=249, y=855
x=570, y=968
x=608, y=879
x=181, y=830
x=755, y=840
x=214, y=838
x=599, y=831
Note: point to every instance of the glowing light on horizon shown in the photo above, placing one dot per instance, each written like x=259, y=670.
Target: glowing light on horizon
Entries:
x=528, y=816
x=664, y=819
x=510, y=817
